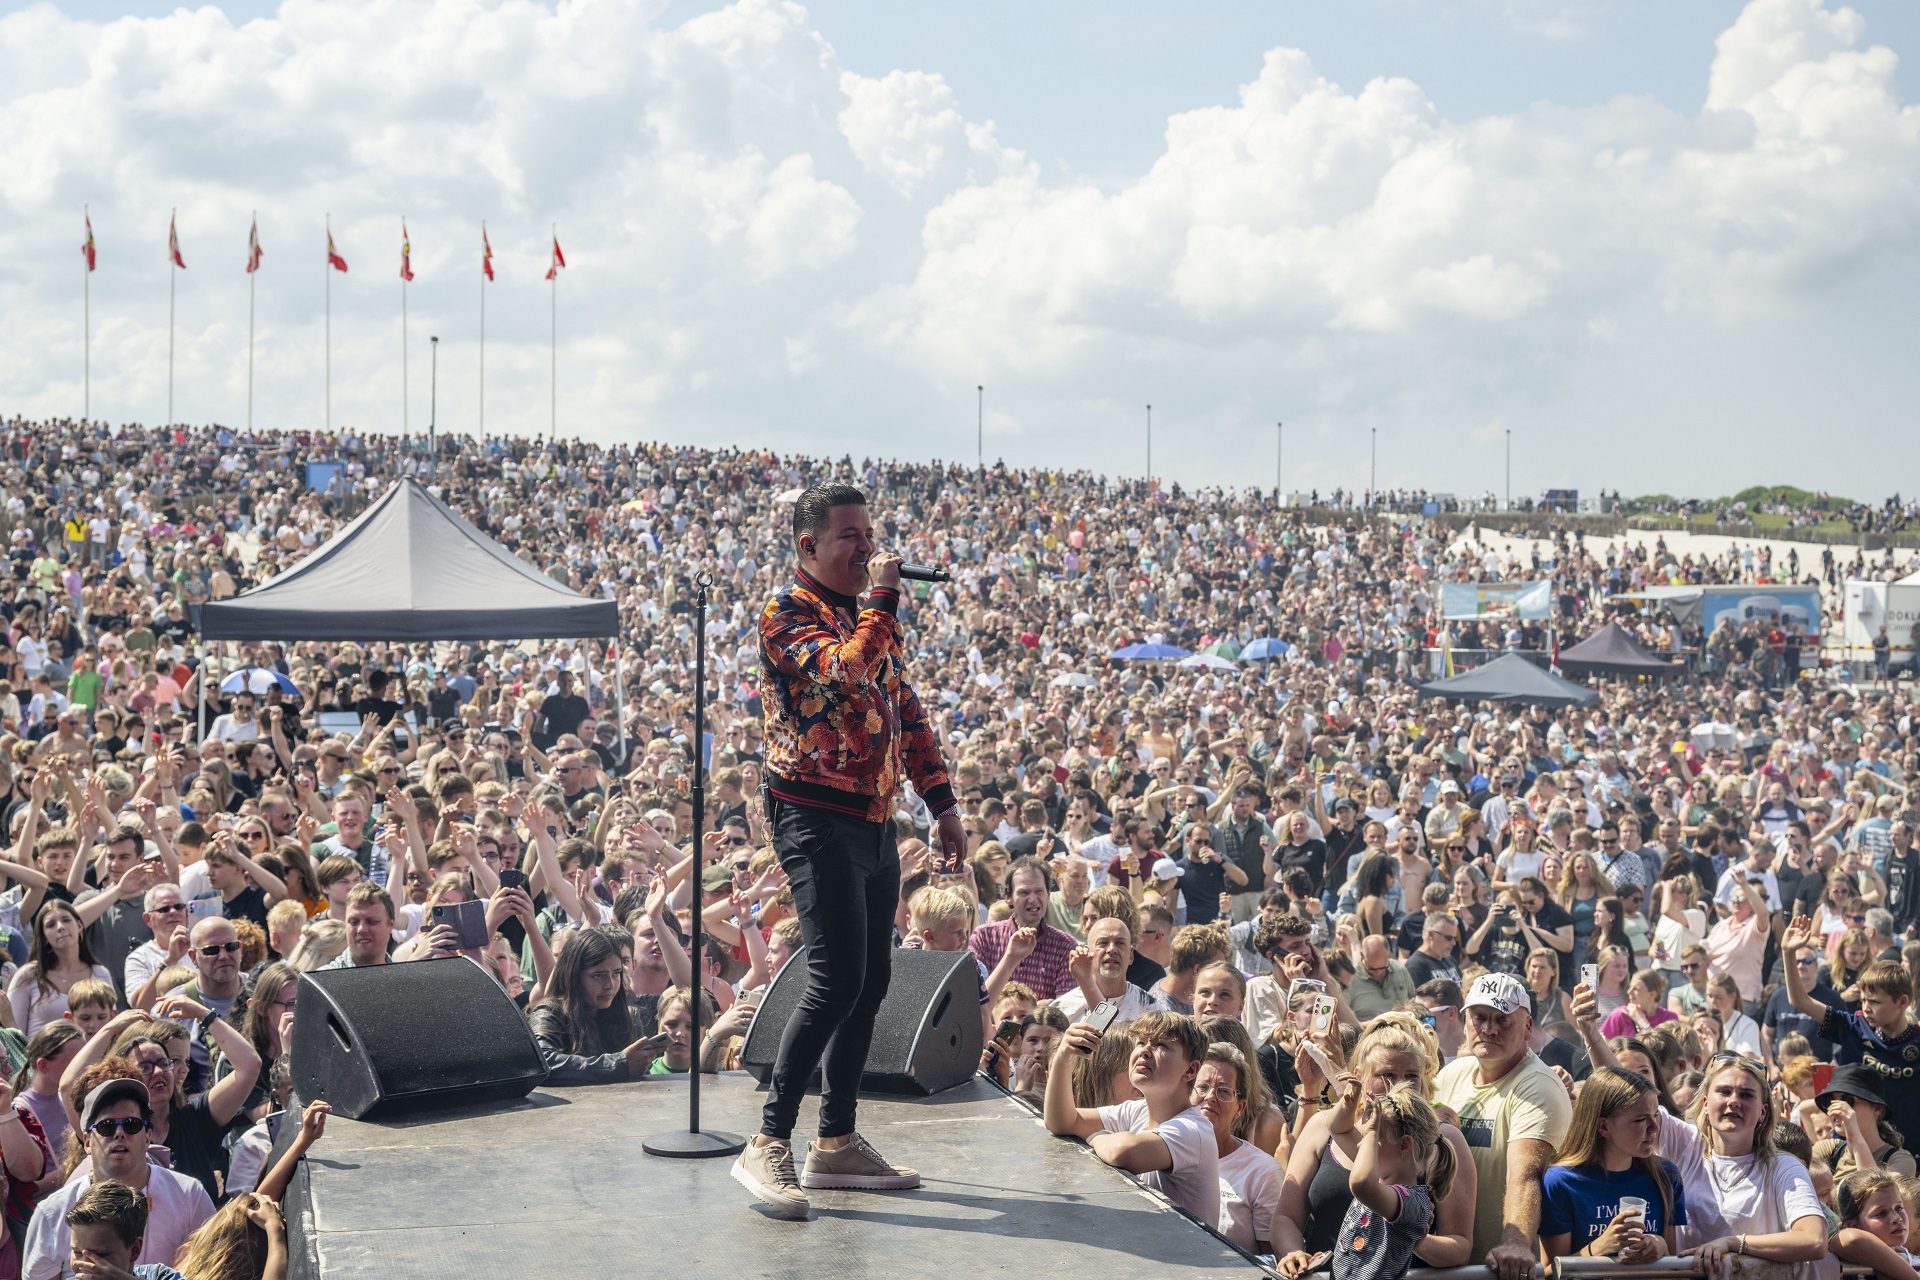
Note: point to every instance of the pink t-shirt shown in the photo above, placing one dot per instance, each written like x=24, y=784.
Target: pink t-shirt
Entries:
x=1621, y=1023
x=1736, y=948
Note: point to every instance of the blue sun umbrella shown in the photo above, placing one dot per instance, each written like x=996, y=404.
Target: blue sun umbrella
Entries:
x=258, y=680
x=1149, y=652
x=1264, y=648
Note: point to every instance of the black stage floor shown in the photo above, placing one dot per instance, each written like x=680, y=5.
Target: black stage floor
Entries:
x=557, y=1186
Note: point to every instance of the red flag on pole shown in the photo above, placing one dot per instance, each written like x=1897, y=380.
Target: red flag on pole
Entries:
x=254, y=251
x=559, y=260
x=334, y=259
x=173, y=246
x=86, y=250
x=486, y=254
x=406, y=254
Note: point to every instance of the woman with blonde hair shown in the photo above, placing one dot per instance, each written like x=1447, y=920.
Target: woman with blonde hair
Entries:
x=1743, y=1195
x=1102, y=1080
x=245, y=1240
x=1679, y=926
x=1850, y=958
x=321, y=942
x=1395, y=1049
x=1543, y=981
x=1582, y=885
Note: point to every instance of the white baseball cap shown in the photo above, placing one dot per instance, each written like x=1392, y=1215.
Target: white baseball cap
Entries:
x=1501, y=992
x=1167, y=869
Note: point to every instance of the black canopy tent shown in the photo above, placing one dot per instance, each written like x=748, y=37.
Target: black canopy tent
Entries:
x=409, y=569
x=1510, y=678
x=1613, y=651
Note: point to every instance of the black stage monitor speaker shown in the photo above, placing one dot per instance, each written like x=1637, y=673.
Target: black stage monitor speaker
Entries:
x=926, y=1037
x=394, y=1038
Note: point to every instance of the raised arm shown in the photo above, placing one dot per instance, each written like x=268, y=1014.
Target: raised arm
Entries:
x=801, y=647
x=228, y=1095
x=313, y=1124
x=1058, y=1111
x=150, y=822
x=546, y=850
x=1797, y=938
x=667, y=934
x=270, y=884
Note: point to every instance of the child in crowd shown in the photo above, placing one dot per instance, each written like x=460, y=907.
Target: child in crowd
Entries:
x=1161, y=1135
x=1875, y=1217
x=105, y=1229
x=1401, y=1168
x=90, y=1005
x=1611, y=1195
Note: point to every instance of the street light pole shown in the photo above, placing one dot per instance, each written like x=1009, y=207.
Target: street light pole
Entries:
x=1373, y=465
x=1149, y=448
x=433, y=407
x=980, y=426
x=1509, y=468
x=1279, y=456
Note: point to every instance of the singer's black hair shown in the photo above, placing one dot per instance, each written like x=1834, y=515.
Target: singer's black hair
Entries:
x=811, y=507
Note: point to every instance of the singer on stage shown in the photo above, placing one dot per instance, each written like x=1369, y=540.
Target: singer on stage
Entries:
x=842, y=729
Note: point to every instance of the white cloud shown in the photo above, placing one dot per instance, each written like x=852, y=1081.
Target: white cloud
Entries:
x=906, y=127
x=762, y=239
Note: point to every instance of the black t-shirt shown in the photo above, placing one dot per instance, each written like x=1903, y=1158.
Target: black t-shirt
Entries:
x=1558, y=1053
x=1423, y=968
x=1200, y=888
x=443, y=704
x=1552, y=917
x=249, y=904
x=193, y=1140
x=377, y=707
x=1144, y=973
x=1341, y=846
x=1310, y=857
x=1503, y=952
x=563, y=713
x=1412, y=925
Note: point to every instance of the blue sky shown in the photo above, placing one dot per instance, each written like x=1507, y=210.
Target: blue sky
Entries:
x=820, y=228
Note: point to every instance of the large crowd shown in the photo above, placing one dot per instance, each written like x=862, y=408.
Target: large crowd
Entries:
x=1363, y=981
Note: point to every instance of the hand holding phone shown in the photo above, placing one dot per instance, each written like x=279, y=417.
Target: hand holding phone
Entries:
x=1590, y=977
x=467, y=919
x=1103, y=1015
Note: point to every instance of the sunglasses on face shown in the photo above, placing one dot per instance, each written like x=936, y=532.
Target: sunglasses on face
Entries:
x=219, y=948
x=115, y=1126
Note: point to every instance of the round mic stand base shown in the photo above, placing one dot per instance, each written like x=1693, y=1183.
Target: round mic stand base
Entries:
x=683, y=1145
x=692, y=1143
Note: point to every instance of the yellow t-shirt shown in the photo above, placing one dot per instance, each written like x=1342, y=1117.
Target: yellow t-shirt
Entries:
x=1528, y=1102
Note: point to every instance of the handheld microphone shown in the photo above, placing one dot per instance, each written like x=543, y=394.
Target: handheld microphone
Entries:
x=924, y=573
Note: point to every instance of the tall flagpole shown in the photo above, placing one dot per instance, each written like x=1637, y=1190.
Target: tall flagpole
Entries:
x=86, y=323
x=252, y=276
x=172, y=271
x=483, y=335
x=403, y=327
x=326, y=269
x=553, y=428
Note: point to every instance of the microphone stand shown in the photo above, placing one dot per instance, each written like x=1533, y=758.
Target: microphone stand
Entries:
x=692, y=1144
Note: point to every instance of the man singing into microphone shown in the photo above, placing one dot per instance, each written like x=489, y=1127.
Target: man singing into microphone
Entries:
x=842, y=728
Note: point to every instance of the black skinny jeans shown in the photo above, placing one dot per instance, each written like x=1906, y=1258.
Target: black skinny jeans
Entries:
x=845, y=876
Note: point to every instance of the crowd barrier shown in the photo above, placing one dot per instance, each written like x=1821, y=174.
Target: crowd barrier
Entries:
x=1587, y=1268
